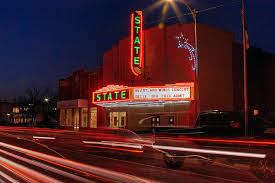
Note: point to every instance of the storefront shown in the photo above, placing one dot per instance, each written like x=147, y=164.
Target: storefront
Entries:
x=77, y=113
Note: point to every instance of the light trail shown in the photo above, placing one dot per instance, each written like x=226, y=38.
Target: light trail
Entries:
x=16, y=172
x=37, y=137
x=208, y=151
x=219, y=140
x=8, y=177
x=27, y=173
x=112, y=143
x=120, y=149
x=109, y=174
x=67, y=167
x=47, y=167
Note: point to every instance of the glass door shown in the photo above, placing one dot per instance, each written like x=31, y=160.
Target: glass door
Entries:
x=117, y=119
x=122, y=120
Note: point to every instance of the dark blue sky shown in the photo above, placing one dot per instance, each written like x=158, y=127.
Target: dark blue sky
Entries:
x=42, y=41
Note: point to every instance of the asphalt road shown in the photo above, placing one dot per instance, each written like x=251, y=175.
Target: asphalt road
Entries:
x=66, y=156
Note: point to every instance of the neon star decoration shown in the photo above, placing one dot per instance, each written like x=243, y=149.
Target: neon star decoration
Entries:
x=183, y=43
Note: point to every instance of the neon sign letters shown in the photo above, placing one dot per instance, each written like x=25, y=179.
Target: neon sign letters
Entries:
x=111, y=96
x=137, y=43
x=183, y=43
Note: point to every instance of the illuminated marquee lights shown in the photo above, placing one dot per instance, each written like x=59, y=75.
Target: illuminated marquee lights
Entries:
x=137, y=55
x=115, y=93
x=162, y=93
x=183, y=43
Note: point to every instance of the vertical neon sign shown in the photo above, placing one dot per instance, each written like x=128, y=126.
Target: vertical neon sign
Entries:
x=137, y=58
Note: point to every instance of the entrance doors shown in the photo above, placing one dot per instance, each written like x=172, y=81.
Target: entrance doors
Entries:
x=117, y=119
x=76, y=119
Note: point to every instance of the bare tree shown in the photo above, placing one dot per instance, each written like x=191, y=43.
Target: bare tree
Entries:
x=33, y=98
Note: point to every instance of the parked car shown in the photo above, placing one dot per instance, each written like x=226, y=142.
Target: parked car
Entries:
x=220, y=123
x=217, y=123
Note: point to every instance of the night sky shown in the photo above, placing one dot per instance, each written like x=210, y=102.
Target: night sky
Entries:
x=44, y=40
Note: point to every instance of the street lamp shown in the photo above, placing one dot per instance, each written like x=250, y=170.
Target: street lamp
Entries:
x=194, y=16
x=46, y=99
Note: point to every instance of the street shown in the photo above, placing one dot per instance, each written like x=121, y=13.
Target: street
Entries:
x=59, y=155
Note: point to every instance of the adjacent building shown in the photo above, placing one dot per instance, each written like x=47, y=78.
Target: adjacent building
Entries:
x=5, y=112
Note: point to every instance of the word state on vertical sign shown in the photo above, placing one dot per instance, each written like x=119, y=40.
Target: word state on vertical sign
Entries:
x=137, y=59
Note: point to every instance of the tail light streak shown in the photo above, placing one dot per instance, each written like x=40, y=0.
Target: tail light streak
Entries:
x=26, y=172
x=247, y=142
x=120, y=149
x=209, y=151
x=104, y=173
x=47, y=167
x=195, y=150
x=8, y=177
x=119, y=144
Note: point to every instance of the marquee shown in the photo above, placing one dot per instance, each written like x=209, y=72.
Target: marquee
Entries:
x=117, y=93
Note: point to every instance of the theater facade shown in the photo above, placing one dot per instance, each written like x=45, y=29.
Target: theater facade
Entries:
x=149, y=78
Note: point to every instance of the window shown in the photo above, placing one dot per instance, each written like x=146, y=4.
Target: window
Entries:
x=15, y=109
x=69, y=117
x=62, y=117
x=84, y=117
x=93, y=117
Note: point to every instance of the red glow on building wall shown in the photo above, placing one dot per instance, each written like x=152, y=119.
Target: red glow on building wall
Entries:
x=137, y=43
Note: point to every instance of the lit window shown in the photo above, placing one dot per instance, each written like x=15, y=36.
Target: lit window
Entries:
x=84, y=117
x=93, y=117
x=69, y=117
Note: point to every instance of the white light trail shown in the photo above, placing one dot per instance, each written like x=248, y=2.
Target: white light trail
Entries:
x=31, y=174
x=47, y=167
x=208, y=151
x=49, y=138
x=111, y=143
x=109, y=174
x=8, y=177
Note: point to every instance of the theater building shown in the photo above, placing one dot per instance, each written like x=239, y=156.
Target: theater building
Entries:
x=149, y=79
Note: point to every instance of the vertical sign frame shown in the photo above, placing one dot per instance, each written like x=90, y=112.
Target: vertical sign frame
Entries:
x=137, y=43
